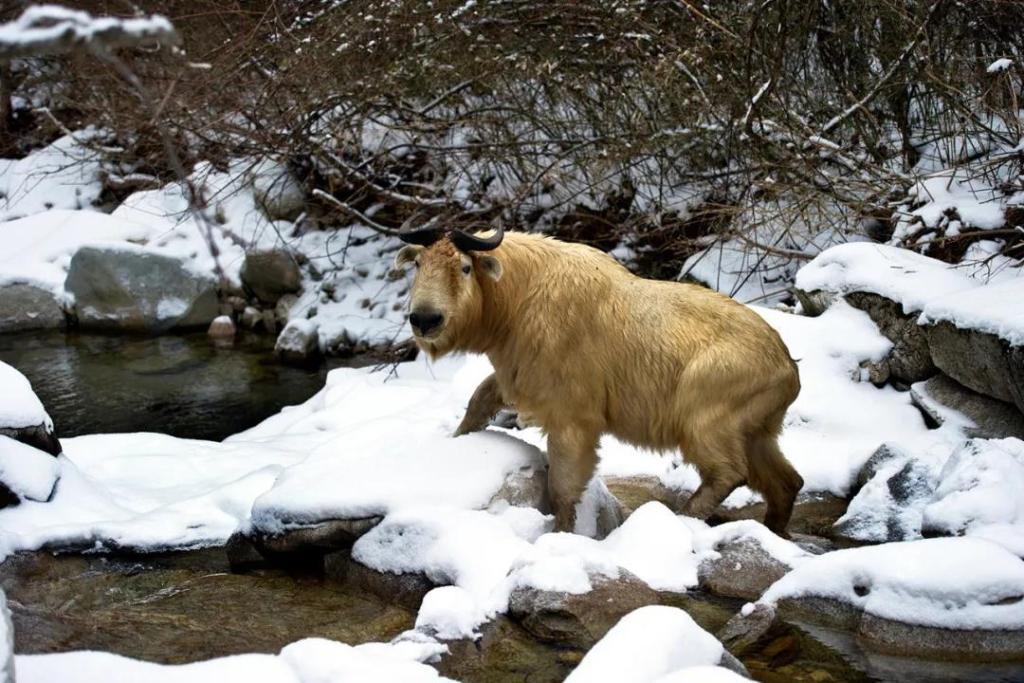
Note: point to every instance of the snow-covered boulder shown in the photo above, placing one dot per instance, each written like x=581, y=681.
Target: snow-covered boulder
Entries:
x=977, y=338
x=6, y=642
x=132, y=289
x=278, y=191
x=298, y=341
x=25, y=306
x=270, y=274
x=22, y=416
x=63, y=175
x=946, y=401
x=26, y=473
x=654, y=644
x=947, y=598
x=979, y=494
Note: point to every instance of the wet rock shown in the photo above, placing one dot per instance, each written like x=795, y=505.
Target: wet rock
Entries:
x=814, y=303
x=823, y=611
x=632, y=492
x=813, y=515
x=39, y=436
x=526, y=488
x=909, y=360
x=269, y=275
x=24, y=307
x=132, y=290
x=406, y=590
x=284, y=306
x=222, y=327
x=317, y=539
x=269, y=321
x=945, y=400
x=6, y=642
x=742, y=569
x=278, y=191
x=579, y=620
x=506, y=651
x=242, y=553
x=747, y=627
x=979, y=361
x=298, y=342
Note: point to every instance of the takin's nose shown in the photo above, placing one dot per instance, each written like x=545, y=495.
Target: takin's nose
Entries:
x=425, y=321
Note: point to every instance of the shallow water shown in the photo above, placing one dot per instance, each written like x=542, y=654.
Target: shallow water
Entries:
x=183, y=385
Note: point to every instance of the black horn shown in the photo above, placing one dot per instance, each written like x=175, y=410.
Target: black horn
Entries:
x=470, y=242
x=422, y=236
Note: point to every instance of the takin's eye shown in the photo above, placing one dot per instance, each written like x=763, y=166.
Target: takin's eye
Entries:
x=467, y=269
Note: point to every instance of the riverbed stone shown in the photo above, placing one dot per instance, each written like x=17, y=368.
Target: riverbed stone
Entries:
x=741, y=569
x=909, y=360
x=315, y=539
x=943, y=399
x=888, y=507
x=527, y=487
x=747, y=627
x=579, y=620
x=634, y=491
x=222, y=327
x=980, y=361
x=25, y=306
x=129, y=290
x=403, y=589
x=39, y=436
x=270, y=274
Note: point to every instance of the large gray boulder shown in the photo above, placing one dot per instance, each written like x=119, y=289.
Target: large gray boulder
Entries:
x=909, y=359
x=979, y=360
x=138, y=291
x=25, y=307
x=945, y=400
x=740, y=569
x=268, y=275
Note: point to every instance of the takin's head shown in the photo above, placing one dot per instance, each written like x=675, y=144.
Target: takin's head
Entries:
x=447, y=298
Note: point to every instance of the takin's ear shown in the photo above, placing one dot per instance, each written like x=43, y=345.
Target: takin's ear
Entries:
x=407, y=254
x=490, y=266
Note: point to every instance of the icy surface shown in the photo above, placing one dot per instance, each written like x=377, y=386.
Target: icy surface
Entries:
x=19, y=405
x=942, y=582
x=646, y=645
x=313, y=660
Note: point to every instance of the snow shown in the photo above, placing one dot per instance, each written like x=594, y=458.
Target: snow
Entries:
x=19, y=405
x=975, y=203
x=313, y=660
x=989, y=308
x=28, y=472
x=903, y=276
x=703, y=674
x=940, y=582
x=646, y=645
x=63, y=175
x=44, y=24
x=999, y=66
x=708, y=540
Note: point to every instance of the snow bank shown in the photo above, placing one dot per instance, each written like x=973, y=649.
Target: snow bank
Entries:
x=964, y=583
x=63, y=175
x=646, y=645
x=19, y=405
x=903, y=276
x=313, y=660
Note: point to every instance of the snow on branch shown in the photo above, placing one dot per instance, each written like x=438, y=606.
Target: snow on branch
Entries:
x=52, y=29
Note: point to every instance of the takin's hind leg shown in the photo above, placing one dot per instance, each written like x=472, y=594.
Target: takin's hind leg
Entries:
x=722, y=468
x=483, y=405
x=572, y=459
x=774, y=478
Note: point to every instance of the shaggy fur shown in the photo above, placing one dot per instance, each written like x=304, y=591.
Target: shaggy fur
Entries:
x=582, y=347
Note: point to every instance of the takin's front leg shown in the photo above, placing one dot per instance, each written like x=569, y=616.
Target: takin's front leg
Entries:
x=572, y=459
x=483, y=405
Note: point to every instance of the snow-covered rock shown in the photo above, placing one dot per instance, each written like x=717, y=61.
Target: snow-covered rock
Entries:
x=307, y=661
x=978, y=493
x=947, y=597
x=22, y=416
x=133, y=289
x=26, y=473
x=277, y=191
x=298, y=341
x=947, y=401
x=63, y=175
x=742, y=559
x=647, y=645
